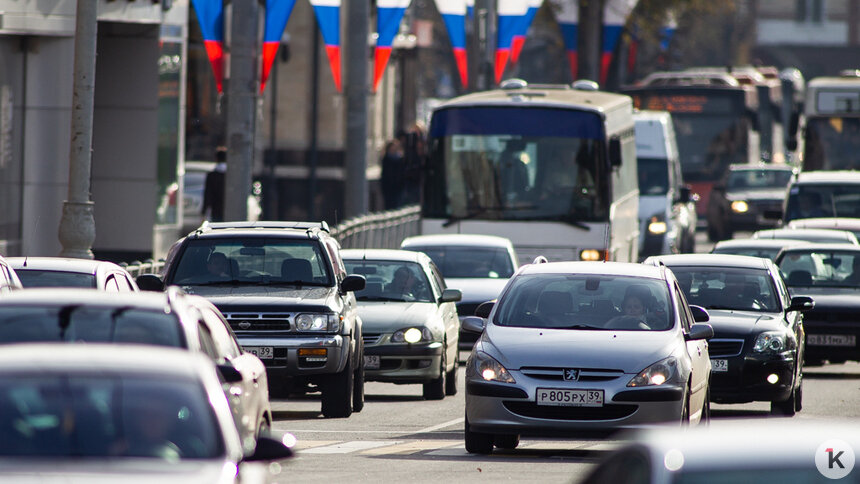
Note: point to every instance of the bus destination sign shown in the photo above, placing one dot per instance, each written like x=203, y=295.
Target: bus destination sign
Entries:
x=682, y=103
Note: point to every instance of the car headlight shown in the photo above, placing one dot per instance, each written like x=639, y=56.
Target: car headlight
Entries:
x=656, y=374
x=770, y=343
x=489, y=369
x=318, y=322
x=412, y=335
x=740, y=206
x=657, y=225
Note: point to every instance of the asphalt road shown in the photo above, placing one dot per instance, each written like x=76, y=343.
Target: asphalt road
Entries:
x=399, y=437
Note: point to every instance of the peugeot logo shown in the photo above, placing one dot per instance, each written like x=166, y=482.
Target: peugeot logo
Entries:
x=571, y=374
x=244, y=325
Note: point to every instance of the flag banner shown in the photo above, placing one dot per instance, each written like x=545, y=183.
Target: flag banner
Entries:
x=568, y=21
x=328, y=17
x=389, y=13
x=510, y=14
x=277, y=14
x=615, y=14
x=210, y=15
x=454, y=15
x=523, y=30
x=470, y=9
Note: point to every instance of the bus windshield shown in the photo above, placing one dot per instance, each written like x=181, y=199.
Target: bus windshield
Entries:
x=502, y=163
x=709, y=143
x=832, y=144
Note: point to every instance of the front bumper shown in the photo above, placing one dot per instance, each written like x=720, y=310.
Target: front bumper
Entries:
x=746, y=379
x=404, y=363
x=287, y=362
x=502, y=408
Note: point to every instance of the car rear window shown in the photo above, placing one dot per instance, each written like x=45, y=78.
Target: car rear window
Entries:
x=43, y=278
x=469, y=262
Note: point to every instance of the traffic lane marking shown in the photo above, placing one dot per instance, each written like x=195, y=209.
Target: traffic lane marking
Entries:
x=408, y=448
x=350, y=447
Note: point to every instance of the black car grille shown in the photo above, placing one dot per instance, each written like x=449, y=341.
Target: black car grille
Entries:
x=607, y=412
x=724, y=348
x=258, y=321
x=371, y=338
x=583, y=374
x=467, y=309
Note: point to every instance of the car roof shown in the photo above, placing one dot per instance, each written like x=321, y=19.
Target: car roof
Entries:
x=757, y=243
x=260, y=228
x=800, y=233
x=811, y=246
x=470, y=240
x=92, y=297
x=836, y=177
x=83, y=266
x=383, y=254
x=712, y=260
x=836, y=223
x=594, y=268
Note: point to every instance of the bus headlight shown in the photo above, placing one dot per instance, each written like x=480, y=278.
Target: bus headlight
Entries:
x=657, y=226
x=592, y=255
x=740, y=206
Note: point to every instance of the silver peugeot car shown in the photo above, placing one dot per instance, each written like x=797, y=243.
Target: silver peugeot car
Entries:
x=576, y=348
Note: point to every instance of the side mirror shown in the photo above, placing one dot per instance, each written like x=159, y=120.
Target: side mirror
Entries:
x=473, y=324
x=700, y=315
x=615, y=152
x=801, y=303
x=451, y=295
x=229, y=373
x=700, y=331
x=149, y=282
x=269, y=449
x=484, y=309
x=353, y=282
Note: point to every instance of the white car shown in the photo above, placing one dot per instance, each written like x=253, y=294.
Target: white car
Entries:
x=68, y=272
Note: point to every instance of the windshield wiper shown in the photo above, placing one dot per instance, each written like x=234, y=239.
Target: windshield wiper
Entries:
x=584, y=326
x=380, y=298
x=293, y=283
x=232, y=282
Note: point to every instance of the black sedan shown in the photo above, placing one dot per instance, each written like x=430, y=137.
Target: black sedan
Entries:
x=830, y=273
x=757, y=348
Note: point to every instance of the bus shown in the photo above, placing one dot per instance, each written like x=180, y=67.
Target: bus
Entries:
x=832, y=133
x=550, y=167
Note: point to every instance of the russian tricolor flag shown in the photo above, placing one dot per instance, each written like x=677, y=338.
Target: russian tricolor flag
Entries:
x=568, y=21
x=328, y=17
x=277, y=14
x=523, y=29
x=389, y=13
x=615, y=14
x=454, y=14
x=510, y=14
x=210, y=15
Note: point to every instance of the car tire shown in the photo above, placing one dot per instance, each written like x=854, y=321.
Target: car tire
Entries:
x=451, y=377
x=685, y=410
x=358, y=385
x=507, y=441
x=798, y=397
x=435, y=388
x=785, y=408
x=477, y=442
x=338, y=392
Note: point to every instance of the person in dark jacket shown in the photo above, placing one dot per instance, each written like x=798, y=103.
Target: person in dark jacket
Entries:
x=213, y=190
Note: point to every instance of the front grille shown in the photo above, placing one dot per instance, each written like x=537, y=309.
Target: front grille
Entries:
x=557, y=373
x=467, y=309
x=258, y=321
x=371, y=339
x=725, y=348
x=607, y=412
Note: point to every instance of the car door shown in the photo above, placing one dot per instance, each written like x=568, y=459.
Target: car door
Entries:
x=698, y=351
x=794, y=319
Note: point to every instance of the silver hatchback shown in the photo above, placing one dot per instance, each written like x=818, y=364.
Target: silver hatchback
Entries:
x=574, y=348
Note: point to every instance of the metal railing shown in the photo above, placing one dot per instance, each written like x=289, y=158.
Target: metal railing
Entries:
x=149, y=266
x=380, y=230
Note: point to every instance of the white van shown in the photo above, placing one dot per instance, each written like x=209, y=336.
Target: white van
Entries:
x=667, y=209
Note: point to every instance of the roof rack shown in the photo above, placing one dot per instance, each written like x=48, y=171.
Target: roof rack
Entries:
x=540, y=260
x=269, y=224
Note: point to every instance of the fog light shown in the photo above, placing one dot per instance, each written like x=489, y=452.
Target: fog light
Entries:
x=740, y=206
x=424, y=363
x=313, y=352
x=772, y=378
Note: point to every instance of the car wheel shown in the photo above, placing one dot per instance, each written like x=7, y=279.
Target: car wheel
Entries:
x=507, y=441
x=798, y=397
x=785, y=408
x=451, y=377
x=435, y=388
x=358, y=386
x=477, y=442
x=685, y=411
x=338, y=392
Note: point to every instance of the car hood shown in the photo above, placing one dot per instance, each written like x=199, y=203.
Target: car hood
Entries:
x=727, y=323
x=769, y=194
x=389, y=316
x=128, y=471
x=629, y=351
x=266, y=296
x=477, y=290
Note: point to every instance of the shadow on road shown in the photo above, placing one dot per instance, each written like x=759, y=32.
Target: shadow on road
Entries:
x=830, y=376
x=393, y=398
x=295, y=415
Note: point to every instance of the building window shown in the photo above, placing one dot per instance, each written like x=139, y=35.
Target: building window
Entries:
x=809, y=11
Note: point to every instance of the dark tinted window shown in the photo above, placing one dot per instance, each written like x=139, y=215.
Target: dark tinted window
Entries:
x=653, y=176
x=758, y=179
x=391, y=281
x=728, y=288
x=469, y=262
x=41, y=278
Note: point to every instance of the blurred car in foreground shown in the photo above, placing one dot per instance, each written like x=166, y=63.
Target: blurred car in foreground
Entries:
x=478, y=265
x=109, y=413
x=170, y=319
x=757, y=349
x=767, y=248
x=8, y=278
x=835, y=223
x=830, y=274
x=66, y=272
x=409, y=320
x=750, y=198
x=826, y=236
x=557, y=356
x=736, y=451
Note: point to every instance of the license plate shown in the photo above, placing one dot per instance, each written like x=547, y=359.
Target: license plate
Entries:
x=719, y=365
x=371, y=362
x=831, y=340
x=569, y=398
x=261, y=352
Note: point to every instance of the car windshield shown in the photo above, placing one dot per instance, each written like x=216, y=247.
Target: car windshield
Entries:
x=586, y=302
x=391, y=281
x=469, y=262
x=44, y=278
x=88, y=323
x=825, y=200
x=653, y=176
x=738, y=289
x=252, y=260
x=105, y=414
x=758, y=179
x=828, y=268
